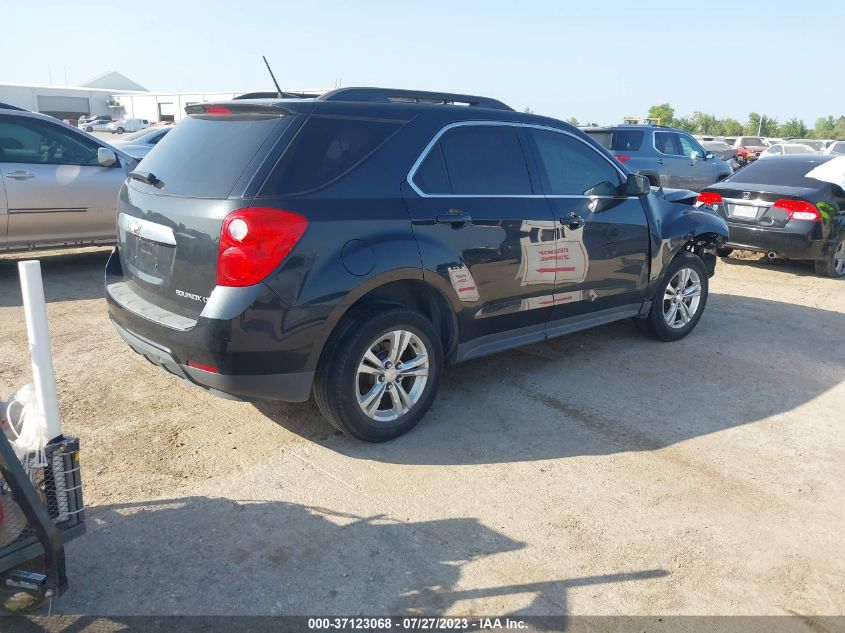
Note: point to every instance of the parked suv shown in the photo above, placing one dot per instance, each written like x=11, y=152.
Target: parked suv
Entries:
x=354, y=243
x=667, y=157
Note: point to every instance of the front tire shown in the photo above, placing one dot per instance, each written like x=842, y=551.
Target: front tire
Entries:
x=380, y=373
x=120, y=130
x=834, y=264
x=679, y=300
x=89, y=129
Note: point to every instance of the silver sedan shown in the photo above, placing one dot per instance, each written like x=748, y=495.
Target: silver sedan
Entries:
x=138, y=144
x=58, y=184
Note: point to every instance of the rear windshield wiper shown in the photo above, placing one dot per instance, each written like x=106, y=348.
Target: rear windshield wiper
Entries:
x=147, y=177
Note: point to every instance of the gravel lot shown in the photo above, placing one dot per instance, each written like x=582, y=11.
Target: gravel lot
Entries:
x=601, y=473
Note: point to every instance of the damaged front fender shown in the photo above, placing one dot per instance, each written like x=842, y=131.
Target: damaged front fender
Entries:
x=677, y=226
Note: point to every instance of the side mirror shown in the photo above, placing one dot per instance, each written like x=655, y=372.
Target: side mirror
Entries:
x=709, y=155
x=637, y=185
x=106, y=157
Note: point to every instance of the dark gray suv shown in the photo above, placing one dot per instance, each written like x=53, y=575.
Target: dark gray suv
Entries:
x=667, y=157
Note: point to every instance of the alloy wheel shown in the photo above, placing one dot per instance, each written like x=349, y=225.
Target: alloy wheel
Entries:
x=682, y=298
x=839, y=259
x=392, y=375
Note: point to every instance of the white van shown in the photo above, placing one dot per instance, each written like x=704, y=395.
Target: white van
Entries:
x=128, y=125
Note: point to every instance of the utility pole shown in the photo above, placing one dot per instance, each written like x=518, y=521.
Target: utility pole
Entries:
x=760, y=126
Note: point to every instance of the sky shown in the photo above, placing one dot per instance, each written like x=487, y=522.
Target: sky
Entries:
x=597, y=61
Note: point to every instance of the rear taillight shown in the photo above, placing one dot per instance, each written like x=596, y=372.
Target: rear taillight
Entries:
x=709, y=198
x=799, y=210
x=209, y=368
x=622, y=158
x=253, y=242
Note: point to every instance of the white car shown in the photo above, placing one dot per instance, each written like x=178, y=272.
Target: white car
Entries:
x=128, y=125
x=779, y=149
x=98, y=124
x=836, y=147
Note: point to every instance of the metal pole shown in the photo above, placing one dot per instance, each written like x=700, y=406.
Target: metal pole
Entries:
x=35, y=311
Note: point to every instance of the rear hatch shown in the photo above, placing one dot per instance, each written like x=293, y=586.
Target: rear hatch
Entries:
x=172, y=208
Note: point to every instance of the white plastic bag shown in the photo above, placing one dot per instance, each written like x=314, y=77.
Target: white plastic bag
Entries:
x=27, y=428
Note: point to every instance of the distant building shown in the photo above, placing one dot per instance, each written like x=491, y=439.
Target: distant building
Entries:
x=113, y=94
x=62, y=102
x=113, y=80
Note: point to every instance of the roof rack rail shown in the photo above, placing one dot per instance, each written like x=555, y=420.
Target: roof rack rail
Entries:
x=388, y=95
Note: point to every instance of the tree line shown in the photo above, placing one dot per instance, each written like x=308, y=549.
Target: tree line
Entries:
x=757, y=124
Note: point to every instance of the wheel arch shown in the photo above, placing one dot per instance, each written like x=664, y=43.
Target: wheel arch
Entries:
x=408, y=288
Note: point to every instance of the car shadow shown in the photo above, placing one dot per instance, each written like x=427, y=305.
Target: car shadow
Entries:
x=799, y=267
x=67, y=275
x=612, y=390
x=213, y=556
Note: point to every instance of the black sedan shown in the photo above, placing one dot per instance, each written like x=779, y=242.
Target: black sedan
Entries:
x=773, y=207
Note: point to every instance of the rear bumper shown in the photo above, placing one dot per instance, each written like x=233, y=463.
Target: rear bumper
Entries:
x=794, y=242
x=291, y=387
x=261, y=348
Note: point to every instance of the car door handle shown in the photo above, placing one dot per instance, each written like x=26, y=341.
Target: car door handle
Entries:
x=20, y=175
x=453, y=216
x=659, y=161
x=573, y=220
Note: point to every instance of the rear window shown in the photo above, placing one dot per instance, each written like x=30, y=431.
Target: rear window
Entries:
x=619, y=140
x=205, y=157
x=752, y=141
x=324, y=150
x=626, y=140
x=784, y=171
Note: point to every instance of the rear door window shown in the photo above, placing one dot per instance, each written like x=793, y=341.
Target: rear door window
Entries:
x=569, y=167
x=205, y=157
x=485, y=160
x=325, y=149
x=667, y=143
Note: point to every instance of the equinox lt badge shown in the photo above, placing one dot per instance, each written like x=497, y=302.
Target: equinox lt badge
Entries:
x=191, y=295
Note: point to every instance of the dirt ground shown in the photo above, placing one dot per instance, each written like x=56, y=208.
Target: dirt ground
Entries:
x=601, y=473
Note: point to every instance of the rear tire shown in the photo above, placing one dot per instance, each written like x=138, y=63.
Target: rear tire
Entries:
x=672, y=318
x=723, y=251
x=380, y=373
x=834, y=264
x=120, y=130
